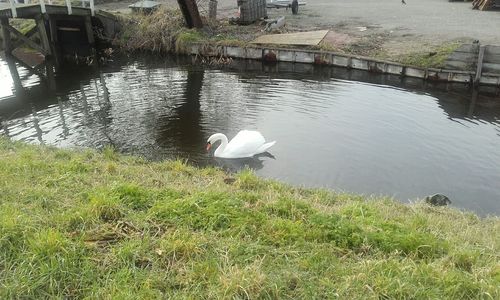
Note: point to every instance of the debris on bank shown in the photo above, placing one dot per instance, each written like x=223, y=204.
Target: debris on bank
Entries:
x=485, y=4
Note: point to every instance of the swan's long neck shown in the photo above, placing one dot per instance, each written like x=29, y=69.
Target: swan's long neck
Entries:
x=223, y=138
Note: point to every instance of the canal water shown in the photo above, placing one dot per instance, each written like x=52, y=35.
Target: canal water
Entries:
x=344, y=130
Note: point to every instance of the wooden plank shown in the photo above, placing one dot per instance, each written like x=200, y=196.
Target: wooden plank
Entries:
x=494, y=59
x=463, y=56
x=310, y=38
x=485, y=5
x=491, y=68
x=492, y=50
x=459, y=65
x=479, y=65
x=468, y=48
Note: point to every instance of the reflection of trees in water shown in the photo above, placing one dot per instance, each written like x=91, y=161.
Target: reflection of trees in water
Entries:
x=181, y=130
x=62, y=110
x=145, y=110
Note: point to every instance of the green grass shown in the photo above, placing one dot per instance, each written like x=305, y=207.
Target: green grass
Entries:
x=86, y=224
x=435, y=58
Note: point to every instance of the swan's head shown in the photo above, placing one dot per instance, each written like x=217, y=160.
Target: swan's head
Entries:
x=213, y=139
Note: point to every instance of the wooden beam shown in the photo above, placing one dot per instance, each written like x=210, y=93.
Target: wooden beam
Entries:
x=53, y=28
x=7, y=42
x=26, y=40
x=90, y=38
x=28, y=35
x=30, y=11
x=89, y=31
x=33, y=70
x=53, y=39
x=44, y=38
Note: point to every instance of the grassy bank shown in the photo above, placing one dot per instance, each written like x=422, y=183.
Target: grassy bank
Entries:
x=101, y=225
x=164, y=31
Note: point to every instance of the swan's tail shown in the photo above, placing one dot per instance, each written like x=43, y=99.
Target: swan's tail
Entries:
x=264, y=147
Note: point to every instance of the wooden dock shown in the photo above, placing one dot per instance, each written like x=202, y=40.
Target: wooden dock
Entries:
x=60, y=31
x=47, y=18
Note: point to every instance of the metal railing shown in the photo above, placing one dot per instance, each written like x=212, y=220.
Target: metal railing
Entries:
x=15, y=3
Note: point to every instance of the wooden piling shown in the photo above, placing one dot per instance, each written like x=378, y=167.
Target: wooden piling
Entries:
x=212, y=9
x=44, y=38
x=89, y=31
x=7, y=42
x=479, y=69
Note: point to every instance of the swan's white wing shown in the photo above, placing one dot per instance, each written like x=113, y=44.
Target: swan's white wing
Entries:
x=264, y=147
x=244, y=144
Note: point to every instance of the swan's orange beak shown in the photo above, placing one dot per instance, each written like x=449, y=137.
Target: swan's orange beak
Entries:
x=209, y=145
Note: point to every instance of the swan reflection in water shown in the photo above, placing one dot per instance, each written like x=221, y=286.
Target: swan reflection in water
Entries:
x=234, y=165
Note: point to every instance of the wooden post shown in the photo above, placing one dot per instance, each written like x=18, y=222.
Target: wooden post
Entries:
x=212, y=9
x=53, y=39
x=90, y=37
x=7, y=42
x=53, y=29
x=42, y=6
x=479, y=69
x=13, y=8
x=68, y=4
x=190, y=12
x=89, y=31
x=92, y=8
x=44, y=38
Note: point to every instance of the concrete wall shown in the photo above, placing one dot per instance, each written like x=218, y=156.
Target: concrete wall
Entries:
x=345, y=61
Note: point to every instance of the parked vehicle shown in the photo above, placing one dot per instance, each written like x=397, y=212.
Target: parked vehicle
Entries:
x=293, y=4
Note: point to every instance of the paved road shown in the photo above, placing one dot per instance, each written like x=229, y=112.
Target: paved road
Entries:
x=431, y=19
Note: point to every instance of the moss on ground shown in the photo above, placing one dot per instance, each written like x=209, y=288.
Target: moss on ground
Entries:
x=435, y=58
x=87, y=224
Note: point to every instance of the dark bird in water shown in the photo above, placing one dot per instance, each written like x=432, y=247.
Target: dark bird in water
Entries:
x=437, y=200
x=403, y=1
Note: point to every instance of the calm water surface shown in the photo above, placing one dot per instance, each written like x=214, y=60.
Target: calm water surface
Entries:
x=357, y=136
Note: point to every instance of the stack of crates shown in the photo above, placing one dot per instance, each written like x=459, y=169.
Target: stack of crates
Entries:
x=251, y=10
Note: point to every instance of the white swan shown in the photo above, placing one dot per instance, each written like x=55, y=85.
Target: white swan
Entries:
x=245, y=144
